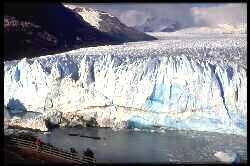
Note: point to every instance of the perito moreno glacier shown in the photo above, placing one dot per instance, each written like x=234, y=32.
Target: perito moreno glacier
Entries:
x=190, y=83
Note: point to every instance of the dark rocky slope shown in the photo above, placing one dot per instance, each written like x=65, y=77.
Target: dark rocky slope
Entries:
x=37, y=29
x=110, y=24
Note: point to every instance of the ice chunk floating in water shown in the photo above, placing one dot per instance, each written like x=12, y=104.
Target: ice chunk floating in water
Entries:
x=192, y=83
x=227, y=157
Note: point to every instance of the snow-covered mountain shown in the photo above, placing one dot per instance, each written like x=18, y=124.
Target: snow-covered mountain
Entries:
x=217, y=29
x=220, y=30
x=164, y=24
x=38, y=29
x=159, y=24
x=109, y=24
x=188, y=83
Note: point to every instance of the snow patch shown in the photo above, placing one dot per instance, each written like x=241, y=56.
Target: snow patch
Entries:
x=92, y=16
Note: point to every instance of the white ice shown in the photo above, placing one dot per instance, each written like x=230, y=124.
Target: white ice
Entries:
x=192, y=83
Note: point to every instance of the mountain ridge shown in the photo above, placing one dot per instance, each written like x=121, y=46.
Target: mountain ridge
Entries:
x=29, y=31
x=109, y=24
x=155, y=24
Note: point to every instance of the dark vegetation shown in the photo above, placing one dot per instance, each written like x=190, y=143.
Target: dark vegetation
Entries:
x=37, y=29
x=16, y=154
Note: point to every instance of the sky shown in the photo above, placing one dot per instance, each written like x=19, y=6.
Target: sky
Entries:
x=188, y=14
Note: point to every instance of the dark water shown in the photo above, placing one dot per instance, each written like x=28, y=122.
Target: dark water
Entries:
x=148, y=147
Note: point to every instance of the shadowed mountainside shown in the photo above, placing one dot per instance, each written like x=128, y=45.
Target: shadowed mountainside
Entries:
x=37, y=29
x=109, y=24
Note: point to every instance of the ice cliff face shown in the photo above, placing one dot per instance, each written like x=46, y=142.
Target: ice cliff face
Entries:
x=179, y=83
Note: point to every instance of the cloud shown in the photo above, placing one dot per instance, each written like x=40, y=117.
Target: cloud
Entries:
x=189, y=15
x=136, y=13
x=231, y=14
x=134, y=17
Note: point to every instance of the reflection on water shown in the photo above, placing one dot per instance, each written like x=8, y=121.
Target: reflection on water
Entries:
x=141, y=146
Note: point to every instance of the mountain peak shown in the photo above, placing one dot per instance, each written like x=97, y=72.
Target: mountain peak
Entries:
x=109, y=24
x=159, y=24
x=38, y=29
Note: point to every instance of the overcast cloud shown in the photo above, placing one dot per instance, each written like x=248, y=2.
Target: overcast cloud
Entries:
x=233, y=14
x=188, y=15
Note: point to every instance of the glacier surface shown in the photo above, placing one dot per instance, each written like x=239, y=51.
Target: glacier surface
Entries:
x=190, y=83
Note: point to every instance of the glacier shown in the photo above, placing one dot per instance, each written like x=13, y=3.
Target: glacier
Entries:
x=188, y=83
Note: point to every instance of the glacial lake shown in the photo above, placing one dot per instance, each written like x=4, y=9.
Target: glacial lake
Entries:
x=130, y=146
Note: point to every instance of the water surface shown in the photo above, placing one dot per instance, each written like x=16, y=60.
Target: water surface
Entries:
x=127, y=146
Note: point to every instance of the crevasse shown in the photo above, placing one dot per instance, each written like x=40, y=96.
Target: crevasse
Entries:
x=173, y=84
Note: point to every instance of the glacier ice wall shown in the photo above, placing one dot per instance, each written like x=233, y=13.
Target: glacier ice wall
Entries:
x=183, y=84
